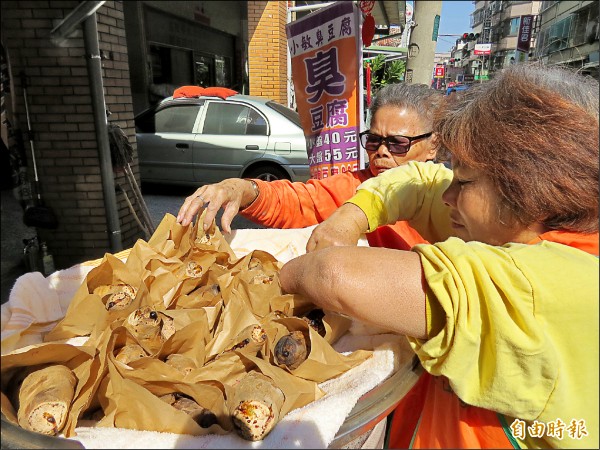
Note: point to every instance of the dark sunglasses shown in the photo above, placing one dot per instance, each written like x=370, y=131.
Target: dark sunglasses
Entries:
x=398, y=145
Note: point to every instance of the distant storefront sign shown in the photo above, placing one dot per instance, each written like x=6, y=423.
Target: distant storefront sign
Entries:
x=482, y=49
x=525, y=29
x=467, y=78
x=439, y=72
x=324, y=48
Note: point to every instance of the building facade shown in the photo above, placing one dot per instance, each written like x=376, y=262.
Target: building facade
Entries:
x=556, y=32
x=72, y=161
x=498, y=23
x=172, y=44
x=145, y=49
x=240, y=45
x=568, y=34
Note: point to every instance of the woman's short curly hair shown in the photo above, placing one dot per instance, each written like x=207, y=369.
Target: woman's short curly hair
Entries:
x=417, y=97
x=533, y=130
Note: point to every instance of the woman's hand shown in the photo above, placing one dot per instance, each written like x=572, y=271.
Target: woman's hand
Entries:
x=229, y=194
x=343, y=227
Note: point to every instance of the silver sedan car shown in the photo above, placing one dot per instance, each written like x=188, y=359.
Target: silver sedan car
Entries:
x=194, y=141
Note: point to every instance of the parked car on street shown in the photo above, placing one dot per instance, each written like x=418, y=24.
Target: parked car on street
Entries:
x=457, y=88
x=201, y=140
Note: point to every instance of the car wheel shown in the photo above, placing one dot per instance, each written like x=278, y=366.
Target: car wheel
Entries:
x=267, y=173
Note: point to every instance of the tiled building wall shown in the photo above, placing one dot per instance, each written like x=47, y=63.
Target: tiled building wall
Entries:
x=60, y=106
x=267, y=52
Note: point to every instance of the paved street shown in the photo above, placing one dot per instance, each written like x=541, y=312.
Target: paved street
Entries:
x=167, y=199
x=160, y=200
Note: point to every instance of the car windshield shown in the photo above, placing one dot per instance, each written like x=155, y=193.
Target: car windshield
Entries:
x=290, y=114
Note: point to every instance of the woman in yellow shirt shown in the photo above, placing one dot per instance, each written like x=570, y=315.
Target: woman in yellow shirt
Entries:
x=504, y=312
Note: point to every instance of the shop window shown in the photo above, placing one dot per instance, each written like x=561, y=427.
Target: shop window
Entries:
x=541, y=47
x=583, y=25
x=171, y=65
x=181, y=67
x=222, y=71
x=161, y=64
x=509, y=58
x=547, y=4
x=171, y=68
x=558, y=37
x=212, y=71
x=204, y=71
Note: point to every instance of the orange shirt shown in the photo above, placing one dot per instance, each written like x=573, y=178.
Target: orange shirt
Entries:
x=283, y=204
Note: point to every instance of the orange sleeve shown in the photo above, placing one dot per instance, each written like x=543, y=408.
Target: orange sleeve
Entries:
x=283, y=204
x=399, y=236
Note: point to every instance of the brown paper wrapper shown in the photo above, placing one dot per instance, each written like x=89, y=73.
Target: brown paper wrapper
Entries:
x=170, y=238
x=298, y=392
x=78, y=359
x=87, y=312
x=235, y=317
x=127, y=404
x=207, y=301
x=323, y=362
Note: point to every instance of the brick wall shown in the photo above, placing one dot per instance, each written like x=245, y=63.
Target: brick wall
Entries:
x=267, y=49
x=60, y=106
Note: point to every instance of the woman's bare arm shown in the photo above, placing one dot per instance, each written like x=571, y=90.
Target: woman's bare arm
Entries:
x=380, y=286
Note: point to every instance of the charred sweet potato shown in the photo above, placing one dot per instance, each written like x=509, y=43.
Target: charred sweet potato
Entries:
x=202, y=416
x=315, y=319
x=292, y=350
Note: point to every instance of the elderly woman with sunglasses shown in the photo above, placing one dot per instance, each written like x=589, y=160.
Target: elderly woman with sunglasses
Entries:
x=504, y=312
x=400, y=132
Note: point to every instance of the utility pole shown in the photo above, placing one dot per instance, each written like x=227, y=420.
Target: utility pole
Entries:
x=421, y=50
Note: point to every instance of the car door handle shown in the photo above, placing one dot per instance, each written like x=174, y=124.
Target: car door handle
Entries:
x=251, y=147
x=182, y=146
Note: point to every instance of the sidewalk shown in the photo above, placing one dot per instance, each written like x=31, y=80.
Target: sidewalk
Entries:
x=11, y=248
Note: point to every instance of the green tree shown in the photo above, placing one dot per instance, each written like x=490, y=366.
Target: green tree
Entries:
x=384, y=72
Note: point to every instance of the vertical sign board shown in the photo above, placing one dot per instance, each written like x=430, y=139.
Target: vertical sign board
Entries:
x=436, y=27
x=524, y=38
x=324, y=48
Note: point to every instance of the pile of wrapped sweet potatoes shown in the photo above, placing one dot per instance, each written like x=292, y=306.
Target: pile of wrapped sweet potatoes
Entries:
x=182, y=337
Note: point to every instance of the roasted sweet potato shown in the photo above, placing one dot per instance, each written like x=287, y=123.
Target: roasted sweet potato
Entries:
x=45, y=399
x=256, y=405
x=250, y=340
x=203, y=417
x=292, y=350
x=116, y=296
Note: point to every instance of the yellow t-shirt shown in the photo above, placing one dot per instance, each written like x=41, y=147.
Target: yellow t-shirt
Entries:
x=513, y=328
x=417, y=189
